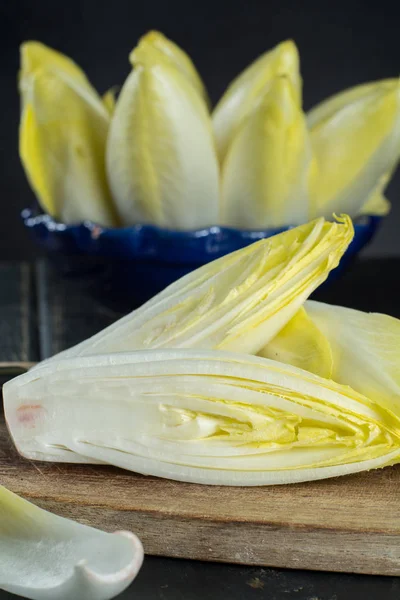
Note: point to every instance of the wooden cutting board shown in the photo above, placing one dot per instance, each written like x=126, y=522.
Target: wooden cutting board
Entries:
x=349, y=524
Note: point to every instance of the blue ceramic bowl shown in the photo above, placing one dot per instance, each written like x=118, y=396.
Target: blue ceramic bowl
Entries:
x=132, y=264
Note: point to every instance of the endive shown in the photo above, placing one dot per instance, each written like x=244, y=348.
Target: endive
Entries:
x=237, y=302
x=269, y=165
x=201, y=416
x=350, y=346
x=46, y=557
x=249, y=87
x=355, y=137
x=63, y=132
x=365, y=348
x=154, y=40
x=161, y=160
x=301, y=344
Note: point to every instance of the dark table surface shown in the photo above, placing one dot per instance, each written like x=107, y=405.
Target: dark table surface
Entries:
x=42, y=313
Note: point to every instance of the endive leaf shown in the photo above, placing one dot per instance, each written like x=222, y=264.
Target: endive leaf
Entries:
x=366, y=350
x=355, y=144
x=301, y=344
x=63, y=133
x=46, y=557
x=154, y=41
x=329, y=107
x=161, y=159
x=201, y=416
x=377, y=204
x=109, y=99
x=238, y=302
x=267, y=170
x=245, y=91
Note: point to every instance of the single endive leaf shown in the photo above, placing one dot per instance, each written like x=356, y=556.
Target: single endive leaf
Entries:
x=328, y=108
x=46, y=557
x=63, y=133
x=161, y=159
x=200, y=416
x=156, y=41
x=238, y=302
x=301, y=344
x=366, y=350
x=377, y=204
x=109, y=99
x=355, y=146
x=245, y=91
x=269, y=164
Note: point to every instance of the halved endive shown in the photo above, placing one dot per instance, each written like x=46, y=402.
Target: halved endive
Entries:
x=201, y=416
x=46, y=557
x=238, y=302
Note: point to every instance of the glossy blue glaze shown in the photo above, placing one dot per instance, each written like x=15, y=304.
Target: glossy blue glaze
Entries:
x=134, y=263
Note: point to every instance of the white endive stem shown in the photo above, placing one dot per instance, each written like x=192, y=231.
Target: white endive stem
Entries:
x=46, y=557
x=267, y=169
x=356, y=142
x=161, y=159
x=237, y=302
x=246, y=90
x=366, y=350
x=63, y=132
x=201, y=416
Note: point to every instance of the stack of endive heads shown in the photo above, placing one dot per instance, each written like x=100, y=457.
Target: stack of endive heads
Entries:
x=157, y=154
x=229, y=376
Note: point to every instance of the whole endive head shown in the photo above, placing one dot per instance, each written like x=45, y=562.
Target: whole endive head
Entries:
x=63, y=131
x=355, y=138
x=269, y=165
x=246, y=90
x=161, y=159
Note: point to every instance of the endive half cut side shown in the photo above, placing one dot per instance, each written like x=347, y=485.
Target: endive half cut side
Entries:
x=161, y=158
x=249, y=87
x=46, y=557
x=208, y=417
x=63, y=132
x=238, y=302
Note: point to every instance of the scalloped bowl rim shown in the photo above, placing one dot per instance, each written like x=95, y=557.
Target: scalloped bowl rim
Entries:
x=144, y=241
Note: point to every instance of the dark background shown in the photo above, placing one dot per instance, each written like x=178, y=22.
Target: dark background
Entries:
x=341, y=44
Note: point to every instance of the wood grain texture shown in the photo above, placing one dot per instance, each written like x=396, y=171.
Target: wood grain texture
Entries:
x=349, y=524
